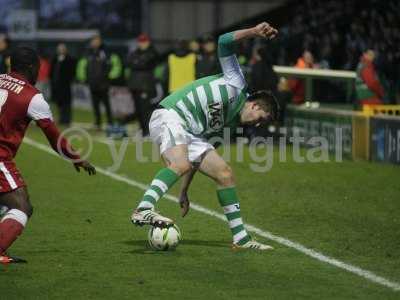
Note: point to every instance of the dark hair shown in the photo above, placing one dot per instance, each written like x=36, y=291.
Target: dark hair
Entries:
x=267, y=101
x=24, y=59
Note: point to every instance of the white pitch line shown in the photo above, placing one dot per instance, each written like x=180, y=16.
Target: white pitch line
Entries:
x=265, y=234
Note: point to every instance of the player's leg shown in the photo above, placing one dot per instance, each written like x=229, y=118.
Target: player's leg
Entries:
x=177, y=164
x=174, y=150
x=215, y=167
x=14, y=220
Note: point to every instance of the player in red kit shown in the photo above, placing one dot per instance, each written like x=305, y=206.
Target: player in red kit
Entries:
x=20, y=103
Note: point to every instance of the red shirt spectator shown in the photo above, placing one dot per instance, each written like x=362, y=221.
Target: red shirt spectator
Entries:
x=44, y=70
x=368, y=87
x=296, y=85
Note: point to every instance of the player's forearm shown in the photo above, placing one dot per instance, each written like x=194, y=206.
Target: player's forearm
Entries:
x=56, y=140
x=187, y=180
x=243, y=34
x=226, y=42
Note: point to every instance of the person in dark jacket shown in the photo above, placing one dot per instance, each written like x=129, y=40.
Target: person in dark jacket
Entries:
x=97, y=69
x=207, y=63
x=61, y=76
x=141, y=82
x=263, y=76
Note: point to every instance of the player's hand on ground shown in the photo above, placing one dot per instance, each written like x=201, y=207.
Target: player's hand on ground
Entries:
x=86, y=166
x=265, y=30
x=184, y=203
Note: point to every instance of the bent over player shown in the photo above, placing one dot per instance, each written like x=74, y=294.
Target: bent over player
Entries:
x=20, y=103
x=200, y=110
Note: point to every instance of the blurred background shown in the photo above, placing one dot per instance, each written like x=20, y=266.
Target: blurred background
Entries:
x=335, y=64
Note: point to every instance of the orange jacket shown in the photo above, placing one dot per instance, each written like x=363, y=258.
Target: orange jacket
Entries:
x=297, y=85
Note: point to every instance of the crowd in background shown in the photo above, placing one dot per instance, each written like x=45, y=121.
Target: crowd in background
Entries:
x=338, y=33
x=321, y=34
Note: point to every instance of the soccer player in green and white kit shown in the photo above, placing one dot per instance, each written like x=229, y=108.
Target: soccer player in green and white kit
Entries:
x=199, y=111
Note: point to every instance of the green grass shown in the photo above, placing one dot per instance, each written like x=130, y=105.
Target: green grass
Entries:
x=80, y=243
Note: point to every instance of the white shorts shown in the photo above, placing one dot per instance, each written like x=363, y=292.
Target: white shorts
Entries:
x=167, y=130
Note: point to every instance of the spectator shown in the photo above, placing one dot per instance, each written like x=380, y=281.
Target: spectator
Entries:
x=97, y=68
x=4, y=54
x=181, y=67
x=44, y=76
x=141, y=82
x=388, y=67
x=297, y=85
x=61, y=76
x=263, y=77
x=194, y=46
x=368, y=88
x=207, y=62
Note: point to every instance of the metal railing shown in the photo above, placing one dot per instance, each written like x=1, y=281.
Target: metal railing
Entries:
x=310, y=74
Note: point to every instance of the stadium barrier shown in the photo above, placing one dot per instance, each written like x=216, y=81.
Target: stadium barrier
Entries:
x=310, y=74
x=364, y=136
x=322, y=122
x=385, y=138
x=370, y=110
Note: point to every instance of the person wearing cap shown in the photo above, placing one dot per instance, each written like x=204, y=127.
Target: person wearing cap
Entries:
x=141, y=82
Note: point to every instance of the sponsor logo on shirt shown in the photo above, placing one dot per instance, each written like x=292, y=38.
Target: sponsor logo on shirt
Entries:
x=215, y=115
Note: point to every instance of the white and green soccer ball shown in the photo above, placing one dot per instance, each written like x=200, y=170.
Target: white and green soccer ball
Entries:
x=164, y=238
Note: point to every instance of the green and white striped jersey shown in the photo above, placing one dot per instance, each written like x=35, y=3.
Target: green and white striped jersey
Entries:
x=210, y=104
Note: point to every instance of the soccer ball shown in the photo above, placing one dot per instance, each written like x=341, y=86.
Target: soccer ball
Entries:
x=164, y=238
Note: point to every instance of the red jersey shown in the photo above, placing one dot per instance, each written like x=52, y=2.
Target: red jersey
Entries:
x=20, y=103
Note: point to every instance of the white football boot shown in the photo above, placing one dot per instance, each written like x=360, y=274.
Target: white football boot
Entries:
x=252, y=244
x=150, y=217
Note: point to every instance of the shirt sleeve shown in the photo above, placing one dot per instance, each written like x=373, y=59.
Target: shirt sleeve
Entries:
x=39, y=109
x=57, y=141
x=233, y=74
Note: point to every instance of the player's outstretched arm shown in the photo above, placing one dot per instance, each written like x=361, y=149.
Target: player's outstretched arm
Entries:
x=61, y=145
x=262, y=30
x=229, y=63
x=40, y=112
x=226, y=41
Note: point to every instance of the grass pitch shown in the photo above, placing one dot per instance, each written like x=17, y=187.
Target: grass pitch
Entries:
x=80, y=243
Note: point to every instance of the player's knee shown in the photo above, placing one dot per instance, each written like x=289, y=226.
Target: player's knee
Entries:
x=22, y=203
x=181, y=167
x=25, y=207
x=225, y=176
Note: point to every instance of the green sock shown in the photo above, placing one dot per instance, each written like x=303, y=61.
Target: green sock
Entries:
x=161, y=183
x=229, y=201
